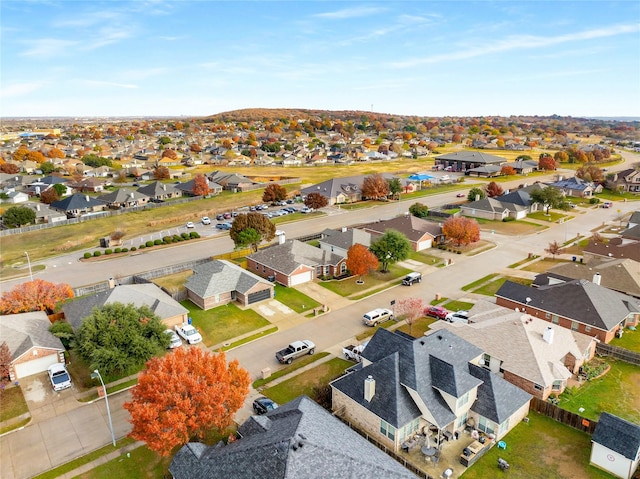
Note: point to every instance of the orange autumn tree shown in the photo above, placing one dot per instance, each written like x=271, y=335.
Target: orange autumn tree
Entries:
x=461, y=231
x=36, y=295
x=183, y=395
x=361, y=261
x=200, y=186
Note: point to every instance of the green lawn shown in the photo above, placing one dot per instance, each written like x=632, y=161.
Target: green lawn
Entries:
x=374, y=281
x=542, y=216
x=294, y=299
x=425, y=258
x=321, y=375
x=615, y=392
x=224, y=322
x=140, y=463
x=12, y=403
x=419, y=327
x=540, y=449
x=458, y=305
x=289, y=368
x=491, y=288
x=630, y=340
x=475, y=284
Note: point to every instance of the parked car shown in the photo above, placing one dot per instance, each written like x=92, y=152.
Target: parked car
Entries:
x=190, y=224
x=436, y=312
x=607, y=204
x=263, y=405
x=377, y=316
x=412, y=278
x=281, y=203
x=460, y=195
x=219, y=216
x=306, y=209
x=206, y=220
x=223, y=226
x=227, y=216
x=189, y=333
x=175, y=341
x=458, y=316
x=59, y=377
x=295, y=350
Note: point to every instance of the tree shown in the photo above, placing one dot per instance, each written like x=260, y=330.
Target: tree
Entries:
x=170, y=154
x=60, y=189
x=35, y=156
x=507, y=170
x=411, y=309
x=264, y=228
x=200, y=186
x=395, y=187
x=17, y=216
x=390, y=248
x=10, y=168
x=316, y=201
x=461, y=231
x=49, y=195
x=274, y=192
x=419, y=210
x=375, y=187
x=553, y=249
x=475, y=194
x=561, y=157
x=494, y=189
x=5, y=363
x=36, y=295
x=549, y=197
x=184, y=395
x=55, y=153
x=119, y=338
x=547, y=163
x=63, y=331
x=47, y=167
x=361, y=261
x=590, y=173
x=161, y=173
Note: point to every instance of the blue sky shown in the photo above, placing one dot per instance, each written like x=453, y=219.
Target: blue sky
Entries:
x=458, y=58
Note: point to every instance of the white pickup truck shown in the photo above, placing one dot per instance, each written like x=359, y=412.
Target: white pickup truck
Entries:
x=295, y=350
x=188, y=333
x=354, y=351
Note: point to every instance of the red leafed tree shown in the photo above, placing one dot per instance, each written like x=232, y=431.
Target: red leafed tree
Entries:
x=49, y=195
x=274, y=192
x=494, y=189
x=316, y=201
x=461, y=231
x=375, y=186
x=170, y=154
x=200, y=186
x=361, y=261
x=5, y=363
x=507, y=170
x=411, y=309
x=161, y=173
x=10, y=168
x=36, y=295
x=547, y=163
x=183, y=395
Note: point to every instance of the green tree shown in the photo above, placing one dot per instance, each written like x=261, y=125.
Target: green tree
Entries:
x=419, y=210
x=164, y=140
x=476, y=194
x=395, y=187
x=17, y=216
x=248, y=237
x=64, y=331
x=264, y=228
x=60, y=189
x=96, y=161
x=47, y=168
x=390, y=248
x=118, y=339
x=549, y=197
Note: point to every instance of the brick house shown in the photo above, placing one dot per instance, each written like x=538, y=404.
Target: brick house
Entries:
x=422, y=234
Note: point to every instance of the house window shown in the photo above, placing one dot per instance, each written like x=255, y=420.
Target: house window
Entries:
x=387, y=430
x=504, y=427
x=463, y=400
x=462, y=420
x=557, y=385
x=409, y=429
x=485, y=425
x=574, y=325
x=486, y=360
x=537, y=387
x=547, y=315
x=587, y=353
x=554, y=319
x=326, y=271
x=257, y=267
x=343, y=268
x=587, y=329
x=264, y=269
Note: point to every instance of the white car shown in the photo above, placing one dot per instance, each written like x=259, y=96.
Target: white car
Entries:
x=458, y=316
x=190, y=224
x=59, y=377
x=188, y=333
x=206, y=220
x=176, y=342
x=306, y=209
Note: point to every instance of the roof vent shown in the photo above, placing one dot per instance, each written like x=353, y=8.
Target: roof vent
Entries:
x=596, y=279
x=548, y=335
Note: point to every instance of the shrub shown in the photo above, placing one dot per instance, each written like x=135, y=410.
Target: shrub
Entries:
x=96, y=253
x=142, y=246
x=508, y=218
x=149, y=244
x=194, y=234
x=167, y=239
x=185, y=235
x=87, y=255
x=125, y=250
x=594, y=201
x=133, y=248
x=108, y=251
x=177, y=238
x=117, y=250
x=157, y=242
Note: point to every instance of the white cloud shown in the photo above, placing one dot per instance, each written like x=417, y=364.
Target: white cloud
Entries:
x=21, y=88
x=99, y=83
x=351, y=13
x=107, y=36
x=47, y=47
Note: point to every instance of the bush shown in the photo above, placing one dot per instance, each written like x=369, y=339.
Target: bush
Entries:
x=87, y=255
x=185, y=235
x=194, y=234
x=125, y=250
x=594, y=201
x=167, y=239
x=157, y=242
x=108, y=251
x=117, y=250
x=149, y=244
x=508, y=218
x=96, y=253
x=142, y=246
x=177, y=238
x=133, y=248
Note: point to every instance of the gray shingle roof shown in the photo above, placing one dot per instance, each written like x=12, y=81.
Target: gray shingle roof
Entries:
x=219, y=277
x=618, y=435
x=157, y=189
x=412, y=227
x=346, y=239
x=76, y=201
x=297, y=440
x=472, y=157
x=288, y=256
x=122, y=195
x=27, y=330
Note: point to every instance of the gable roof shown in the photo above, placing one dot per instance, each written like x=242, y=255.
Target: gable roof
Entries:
x=472, y=157
x=412, y=227
x=24, y=331
x=492, y=205
x=572, y=183
x=220, y=276
x=618, y=435
x=157, y=189
x=578, y=300
x=76, y=201
x=288, y=256
x=615, y=248
x=297, y=440
x=122, y=195
x=346, y=239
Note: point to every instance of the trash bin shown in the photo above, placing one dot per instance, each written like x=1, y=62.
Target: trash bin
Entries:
x=266, y=373
x=573, y=258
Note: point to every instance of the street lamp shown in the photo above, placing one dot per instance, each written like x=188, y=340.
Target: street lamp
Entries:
x=96, y=374
x=29, y=263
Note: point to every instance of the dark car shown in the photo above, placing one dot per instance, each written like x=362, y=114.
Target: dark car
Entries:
x=263, y=405
x=436, y=312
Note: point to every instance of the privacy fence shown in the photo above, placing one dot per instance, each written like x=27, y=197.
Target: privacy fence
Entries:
x=561, y=415
x=618, y=353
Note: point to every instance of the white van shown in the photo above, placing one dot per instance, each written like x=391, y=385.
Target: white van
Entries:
x=372, y=318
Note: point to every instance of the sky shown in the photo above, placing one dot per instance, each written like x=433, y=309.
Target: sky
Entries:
x=197, y=58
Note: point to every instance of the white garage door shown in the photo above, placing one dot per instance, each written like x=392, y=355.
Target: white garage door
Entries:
x=424, y=244
x=300, y=278
x=36, y=365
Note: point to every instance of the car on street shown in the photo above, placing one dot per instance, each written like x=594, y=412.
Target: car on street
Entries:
x=190, y=224
x=175, y=341
x=189, y=333
x=306, y=209
x=206, y=220
x=458, y=316
x=607, y=204
x=436, y=312
x=59, y=377
x=223, y=226
x=412, y=278
x=263, y=405
x=460, y=195
x=377, y=316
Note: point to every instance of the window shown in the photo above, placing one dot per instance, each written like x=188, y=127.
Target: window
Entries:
x=557, y=385
x=587, y=353
x=462, y=420
x=387, y=430
x=463, y=400
x=574, y=325
x=343, y=267
x=486, y=359
x=587, y=329
x=555, y=319
x=409, y=429
x=547, y=315
x=485, y=425
x=537, y=387
x=504, y=427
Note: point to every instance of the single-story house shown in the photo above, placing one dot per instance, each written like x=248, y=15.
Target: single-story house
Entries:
x=78, y=205
x=164, y=306
x=33, y=348
x=232, y=181
x=422, y=234
x=293, y=262
x=220, y=282
x=347, y=189
x=433, y=383
x=297, y=440
x=526, y=351
x=158, y=191
x=124, y=198
x=523, y=167
x=467, y=160
x=485, y=171
x=187, y=188
x=46, y=214
x=615, y=446
x=575, y=186
x=578, y=305
x=17, y=197
x=339, y=241
x=95, y=185
x=493, y=209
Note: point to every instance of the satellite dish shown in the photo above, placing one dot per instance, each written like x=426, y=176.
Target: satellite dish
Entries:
x=528, y=300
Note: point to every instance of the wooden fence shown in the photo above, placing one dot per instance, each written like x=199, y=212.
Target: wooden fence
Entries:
x=618, y=353
x=561, y=415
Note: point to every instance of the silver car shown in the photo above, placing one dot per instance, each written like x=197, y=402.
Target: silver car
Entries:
x=59, y=377
x=175, y=341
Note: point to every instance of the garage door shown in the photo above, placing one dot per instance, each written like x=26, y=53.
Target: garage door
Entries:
x=35, y=366
x=259, y=296
x=301, y=278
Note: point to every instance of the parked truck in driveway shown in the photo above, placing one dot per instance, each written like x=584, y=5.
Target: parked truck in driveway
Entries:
x=295, y=350
x=354, y=351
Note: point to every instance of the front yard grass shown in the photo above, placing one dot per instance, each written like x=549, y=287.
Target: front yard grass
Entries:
x=542, y=216
x=224, y=322
x=289, y=368
x=491, y=288
x=305, y=383
x=419, y=327
x=458, y=305
x=630, y=340
x=12, y=403
x=294, y=299
x=541, y=448
x=543, y=265
x=616, y=392
x=141, y=462
x=425, y=258
x=372, y=282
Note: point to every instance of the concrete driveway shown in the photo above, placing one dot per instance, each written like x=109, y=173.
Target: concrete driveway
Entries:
x=43, y=401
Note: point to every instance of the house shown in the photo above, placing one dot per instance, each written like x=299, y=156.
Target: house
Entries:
x=232, y=181
x=33, y=348
x=16, y=197
x=434, y=383
x=294, y=262
x=124, y=198
x=339, y=242
x=523, y=167
x=493, y=209
x=620, y=247
x=78, y=205
x=485, y=171
x=46, y=214
x=467, y=160
x=625, y=180
x=95, y=185
x=297, y=440
x=524, y=350
x=220, y=282
x=187, y=188
x=338, y=190
x=164, y=306
x=578, y=187
x=615, y=446
x=158, y=191
x=422, y=234
x=578, y=305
